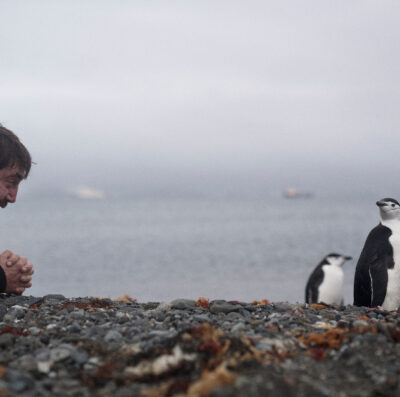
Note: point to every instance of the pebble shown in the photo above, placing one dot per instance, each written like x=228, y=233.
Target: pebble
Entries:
x=183, y=304
x=112, y=336
x=59, y=354
x=239, y=327
x=223, y=307
x=6, y=340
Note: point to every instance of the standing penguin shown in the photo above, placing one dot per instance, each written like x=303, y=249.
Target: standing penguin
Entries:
x=326, y=281
x=377, y=278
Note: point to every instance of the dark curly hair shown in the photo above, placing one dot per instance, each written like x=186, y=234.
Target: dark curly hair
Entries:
x=13, y=152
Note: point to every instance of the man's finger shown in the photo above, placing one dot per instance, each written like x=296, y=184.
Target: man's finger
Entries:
x=12, y=259
x=27, y=269
x=19, y=290
x=6, y=254
x=25, y=279
x=22, y=261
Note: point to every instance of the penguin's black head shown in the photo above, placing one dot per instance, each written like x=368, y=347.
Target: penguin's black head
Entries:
x=389, y=208
x=336, y=259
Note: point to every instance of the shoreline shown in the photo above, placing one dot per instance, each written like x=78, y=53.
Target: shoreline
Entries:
x=54, y=345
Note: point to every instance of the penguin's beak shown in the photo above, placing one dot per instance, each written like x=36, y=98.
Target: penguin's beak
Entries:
x=380, y=203
x=348, y=258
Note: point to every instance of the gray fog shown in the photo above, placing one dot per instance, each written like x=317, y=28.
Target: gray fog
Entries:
x=200, y=98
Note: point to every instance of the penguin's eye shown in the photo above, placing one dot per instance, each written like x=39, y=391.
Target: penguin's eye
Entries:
x=392, y=205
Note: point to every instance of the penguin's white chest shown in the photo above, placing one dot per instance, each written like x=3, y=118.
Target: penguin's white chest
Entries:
x=330, y=290
x=392, y=298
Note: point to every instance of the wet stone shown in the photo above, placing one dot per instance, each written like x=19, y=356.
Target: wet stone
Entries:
x=240, y=327
x=113, y=336
x=201, y=317
x=219, y=306
x=183, y=304
x=11, y=300
x=6, y=340
x=282, y=307
x=18, y=382
x=59, y=354
x=34, y=331
x=3, y=311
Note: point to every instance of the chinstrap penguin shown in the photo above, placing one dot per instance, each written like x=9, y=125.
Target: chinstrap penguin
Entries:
x=377, y=278
x=326, y=281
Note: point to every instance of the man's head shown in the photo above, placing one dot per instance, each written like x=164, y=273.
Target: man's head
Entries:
x=15, y=164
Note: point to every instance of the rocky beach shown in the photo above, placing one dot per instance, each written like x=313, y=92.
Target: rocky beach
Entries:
x=54, y=346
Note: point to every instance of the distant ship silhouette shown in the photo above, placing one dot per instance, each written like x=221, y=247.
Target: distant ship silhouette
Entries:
x=88, y=193
x=294, y=193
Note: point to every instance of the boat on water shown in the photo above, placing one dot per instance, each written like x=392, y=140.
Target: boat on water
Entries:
x=294, y=193
x=88, y=193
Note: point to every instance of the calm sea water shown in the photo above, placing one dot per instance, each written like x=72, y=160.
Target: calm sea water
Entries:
x=161, y=250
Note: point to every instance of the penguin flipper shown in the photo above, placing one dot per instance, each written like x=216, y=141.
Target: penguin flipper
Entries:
x=370, y=281
x=314, y=281
x=379, y=279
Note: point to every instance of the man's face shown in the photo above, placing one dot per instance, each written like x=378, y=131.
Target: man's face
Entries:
x=10, y=178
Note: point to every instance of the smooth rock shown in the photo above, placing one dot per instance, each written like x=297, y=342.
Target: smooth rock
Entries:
x=59, y=354
x=18, y=381
x=113, y=336
x=217, y=307
x=6, y=340
x=239, y=327
x=182, y=304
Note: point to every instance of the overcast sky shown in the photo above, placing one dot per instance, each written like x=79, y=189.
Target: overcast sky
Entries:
x=111, y=92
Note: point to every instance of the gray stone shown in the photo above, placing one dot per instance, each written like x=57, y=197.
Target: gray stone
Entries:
x=6, y=340
x=18, y=382
x=77, y=314
x=113, y=336
x=74, y=328
x=223, y=307
x=3, y=311
x=59, y=354
x=94, y=330
x=12, y=300
x=239, y=327
x=161, y=333
x=92, y=364
x=79, y=356
x=43, y=354
x=27, y=363
x=54, y=297
x=282, y=307
x=34, y=331
x=201, y=317
x=32, y=300
x=182, y=304
x=17, y=312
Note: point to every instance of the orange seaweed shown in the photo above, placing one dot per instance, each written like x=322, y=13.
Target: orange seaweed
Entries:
x=125, y=299
x=318, y=306
x=203, y=302
x=333, y=338
x=14, y=331
x=260, y=302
